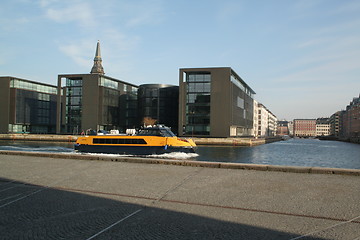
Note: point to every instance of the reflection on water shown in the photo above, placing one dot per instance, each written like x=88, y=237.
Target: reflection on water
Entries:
x=294, y=152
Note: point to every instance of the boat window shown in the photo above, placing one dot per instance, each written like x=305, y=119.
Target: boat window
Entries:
x=119, y=141
x=167, y=133
x=162, y=132
x=149, y=132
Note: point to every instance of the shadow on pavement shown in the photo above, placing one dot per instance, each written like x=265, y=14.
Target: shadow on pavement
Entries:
x=35, y=212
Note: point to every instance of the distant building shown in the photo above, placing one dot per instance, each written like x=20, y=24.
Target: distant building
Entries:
x=351, y=120
x=272, y=124
x=282, y=128
x=304, y=127
x=322, y=127
x=267, y=122
x=335, y=122
x=159, y=102
x=95, y=101
x=291, y=128
x=256, y=122
x=214, y=102
x=262, y=121
x=27, y=106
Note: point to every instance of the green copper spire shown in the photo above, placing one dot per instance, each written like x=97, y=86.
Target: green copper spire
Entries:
x=97, y=67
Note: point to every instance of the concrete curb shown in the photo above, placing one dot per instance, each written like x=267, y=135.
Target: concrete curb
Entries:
x=226, y=165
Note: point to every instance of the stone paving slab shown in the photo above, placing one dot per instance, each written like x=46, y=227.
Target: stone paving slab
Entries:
x=54, y=198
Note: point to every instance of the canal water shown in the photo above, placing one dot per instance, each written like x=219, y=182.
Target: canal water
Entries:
x=293, y=152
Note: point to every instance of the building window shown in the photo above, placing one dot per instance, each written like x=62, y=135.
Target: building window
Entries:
x=73, y=105
x=198, y=88
x=104, y=82
x=37, y=87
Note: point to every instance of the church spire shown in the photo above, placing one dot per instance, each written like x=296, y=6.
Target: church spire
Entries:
x=97, y=67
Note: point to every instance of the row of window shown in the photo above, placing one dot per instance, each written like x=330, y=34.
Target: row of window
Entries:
x=119, y=141
x=198, y=77
x=240, y=85
x=73, y=101
x=21, y=84
x=73, y=104
x=198, y=103
x=73, y=82
x=105, y=82
x=73, y=91
x=198, y=87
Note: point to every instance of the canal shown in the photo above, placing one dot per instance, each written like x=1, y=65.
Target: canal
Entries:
x=293, y=152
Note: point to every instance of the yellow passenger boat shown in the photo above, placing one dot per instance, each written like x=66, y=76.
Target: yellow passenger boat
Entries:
x=148, y=141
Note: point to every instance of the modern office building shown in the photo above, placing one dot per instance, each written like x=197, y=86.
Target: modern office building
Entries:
x=159, y=102
x=27, y=106
x=95, y=101
x=214, y=102
x=304, y=127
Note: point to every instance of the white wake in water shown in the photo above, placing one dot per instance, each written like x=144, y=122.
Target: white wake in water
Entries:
x=175, y=155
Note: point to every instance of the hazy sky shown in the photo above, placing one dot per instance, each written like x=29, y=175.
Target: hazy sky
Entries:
x=302, y=58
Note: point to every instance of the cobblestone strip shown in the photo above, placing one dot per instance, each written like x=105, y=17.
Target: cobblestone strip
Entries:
x=116, y=223
x=3, y=190
x=327, y=228
x=161, y=199
x=23, y=197
x=6, y=182
x=13, y=196
x=153, y=202
x=42, y=188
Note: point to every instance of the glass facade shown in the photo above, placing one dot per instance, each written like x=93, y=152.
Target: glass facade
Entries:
x=37, y=87
x=35, y=112
x=159, y=102
x=198, y=88
x=119, y=105
x=73, y=105
x=105, y=82
x=241, y=85
x=111, y=104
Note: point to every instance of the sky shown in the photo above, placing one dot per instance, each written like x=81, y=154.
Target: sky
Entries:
x=301, y=57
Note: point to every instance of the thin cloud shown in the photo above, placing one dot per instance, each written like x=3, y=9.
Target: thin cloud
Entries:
x=80, y=13
x=45, y=3
x=328, y=72
x=144, y=13
x=79, y=52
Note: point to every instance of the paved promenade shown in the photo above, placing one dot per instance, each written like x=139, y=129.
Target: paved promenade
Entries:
x=54, y=198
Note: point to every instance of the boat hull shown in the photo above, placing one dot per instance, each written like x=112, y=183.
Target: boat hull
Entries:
x=132, y=150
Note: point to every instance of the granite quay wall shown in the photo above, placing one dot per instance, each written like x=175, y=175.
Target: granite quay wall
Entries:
x=190, y=163
x=351, y=140
x=39, y=137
